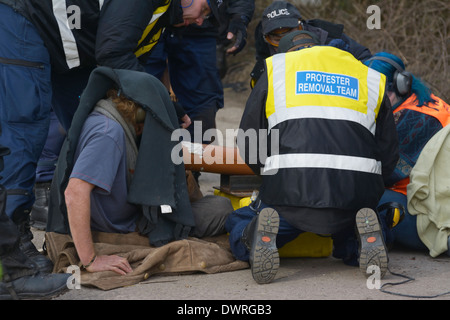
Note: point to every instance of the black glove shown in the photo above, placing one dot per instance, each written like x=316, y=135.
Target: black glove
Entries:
x=238, y=27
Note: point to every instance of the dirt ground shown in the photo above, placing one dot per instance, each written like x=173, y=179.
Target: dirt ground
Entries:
x=297, y=278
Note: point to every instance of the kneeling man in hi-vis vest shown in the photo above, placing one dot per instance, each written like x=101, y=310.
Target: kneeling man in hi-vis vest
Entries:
x=330, y=143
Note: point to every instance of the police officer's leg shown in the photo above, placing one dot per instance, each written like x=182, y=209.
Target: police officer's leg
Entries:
x=67, y=89
x=256, y=231
x=19, y=275
x=25, y=102
x=44, y=172
x=156, y=63
x=235, y=225
x=198, y=87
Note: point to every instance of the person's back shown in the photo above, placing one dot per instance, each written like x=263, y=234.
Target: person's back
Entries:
x=326, y=105
x=332, y=144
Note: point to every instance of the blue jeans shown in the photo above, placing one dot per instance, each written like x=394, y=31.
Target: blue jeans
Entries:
x=25, y=103
x=345, y=242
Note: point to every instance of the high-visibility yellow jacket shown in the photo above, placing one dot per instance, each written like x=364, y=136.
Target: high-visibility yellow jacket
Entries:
x=328, y=111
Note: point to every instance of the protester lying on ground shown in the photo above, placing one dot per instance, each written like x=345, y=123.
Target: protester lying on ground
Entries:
x=418, y=116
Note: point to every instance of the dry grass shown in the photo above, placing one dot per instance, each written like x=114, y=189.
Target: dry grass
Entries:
x=416, y=31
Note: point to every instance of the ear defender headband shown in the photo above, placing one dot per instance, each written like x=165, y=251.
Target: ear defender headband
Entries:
x=395, y=213
x=140, y=115
x=402, y=79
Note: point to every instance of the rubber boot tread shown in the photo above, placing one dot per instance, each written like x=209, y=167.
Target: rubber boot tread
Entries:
x=372, y=248
x=265, y=259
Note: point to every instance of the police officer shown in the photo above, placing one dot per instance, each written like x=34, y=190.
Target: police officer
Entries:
x=282, y=17
x=190, y=53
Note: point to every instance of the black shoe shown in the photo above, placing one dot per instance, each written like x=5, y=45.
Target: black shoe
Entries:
x=39, y=212
x=22, y=219
x=264, y=258
x=373, y=251
x=40, y=286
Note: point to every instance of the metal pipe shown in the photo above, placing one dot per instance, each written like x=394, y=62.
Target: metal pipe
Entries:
x=213, y=158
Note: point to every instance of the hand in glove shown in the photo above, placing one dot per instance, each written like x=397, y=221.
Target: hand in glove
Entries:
x=237, y=29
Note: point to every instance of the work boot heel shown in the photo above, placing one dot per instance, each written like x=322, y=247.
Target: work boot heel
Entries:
x=264, y=254
x=372, y=248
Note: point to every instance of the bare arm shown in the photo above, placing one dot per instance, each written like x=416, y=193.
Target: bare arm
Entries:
x=78, y=203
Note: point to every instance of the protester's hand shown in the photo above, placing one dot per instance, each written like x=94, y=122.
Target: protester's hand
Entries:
x=238, y=30
x=185, y=121
x=110, y=263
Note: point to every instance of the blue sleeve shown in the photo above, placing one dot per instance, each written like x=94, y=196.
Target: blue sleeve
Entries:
x=99, y=154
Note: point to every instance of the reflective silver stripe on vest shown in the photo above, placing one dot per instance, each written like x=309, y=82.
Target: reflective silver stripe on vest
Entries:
x=156, y=17
x=373, y=85
x=68, y=40
x=279, y=82
x=327, y=161
x=333, y=113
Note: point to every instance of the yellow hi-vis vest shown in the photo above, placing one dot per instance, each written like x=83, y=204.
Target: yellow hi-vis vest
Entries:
x=322, y=83
x=148, y=40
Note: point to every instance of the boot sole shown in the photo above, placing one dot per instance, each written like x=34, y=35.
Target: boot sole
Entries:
x=264, y=253
x=372, y=251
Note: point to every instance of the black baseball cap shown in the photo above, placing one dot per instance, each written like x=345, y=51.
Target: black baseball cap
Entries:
x=288, y=42
x=280, y=14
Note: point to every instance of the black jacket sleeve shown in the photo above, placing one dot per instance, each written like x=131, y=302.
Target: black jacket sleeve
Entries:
x=262, y=52
x=387, y=139
x=359, y=51
x=120, y=28
x=241, y=7
x=336, y=31
x=253, y=119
